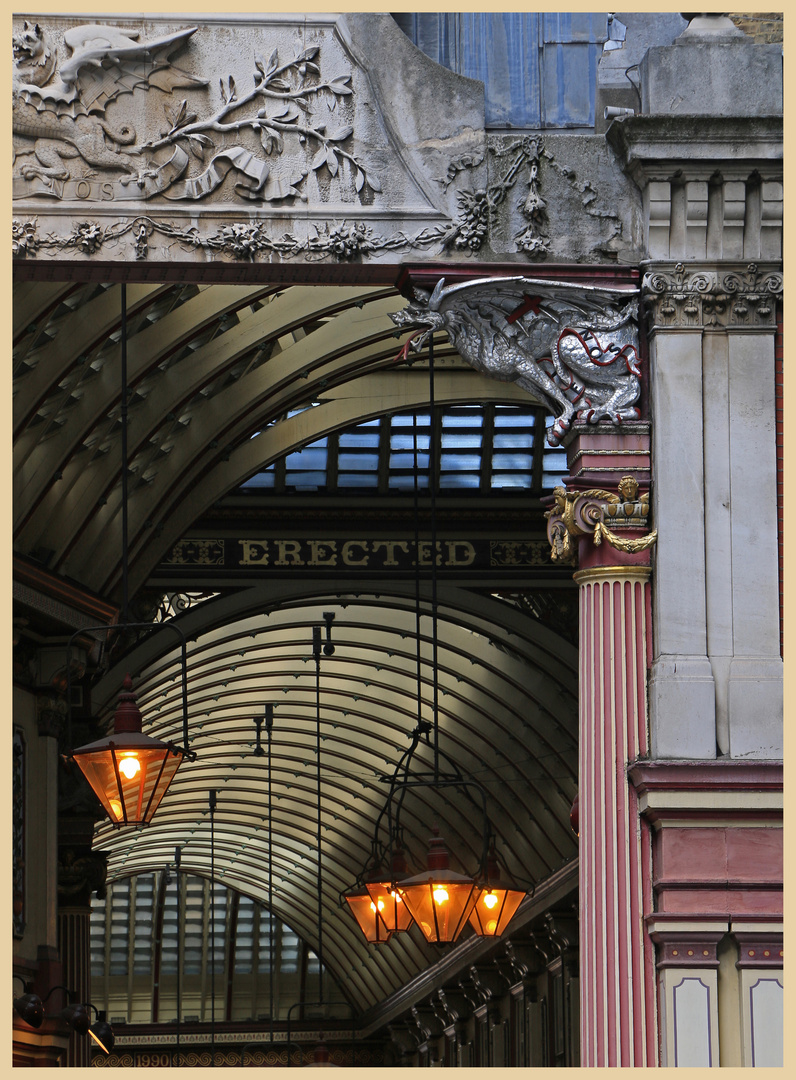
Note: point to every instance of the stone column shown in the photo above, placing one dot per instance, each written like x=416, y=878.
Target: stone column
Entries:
x=607, y=533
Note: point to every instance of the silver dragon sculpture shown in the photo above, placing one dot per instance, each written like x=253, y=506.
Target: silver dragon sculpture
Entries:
x=575, y=346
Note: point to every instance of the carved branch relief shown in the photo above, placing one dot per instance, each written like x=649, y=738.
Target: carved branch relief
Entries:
x=271, y=120
x=59, y=108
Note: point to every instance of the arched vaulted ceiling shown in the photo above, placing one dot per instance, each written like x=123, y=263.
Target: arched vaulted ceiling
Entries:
x=221, y=382
x=507, y=709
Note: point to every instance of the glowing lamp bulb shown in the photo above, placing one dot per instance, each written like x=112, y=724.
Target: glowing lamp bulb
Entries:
x=129, y=766
x=440, y=894
x=490, y=900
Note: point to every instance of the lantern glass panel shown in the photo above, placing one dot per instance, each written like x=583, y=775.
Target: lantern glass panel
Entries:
x=440, y=903
x=367, y=915
x=392, y=909
x=129, y=775
x=494, y=910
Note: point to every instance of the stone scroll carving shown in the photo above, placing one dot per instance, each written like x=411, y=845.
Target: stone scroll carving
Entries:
x=575, y=346
x=64, y=141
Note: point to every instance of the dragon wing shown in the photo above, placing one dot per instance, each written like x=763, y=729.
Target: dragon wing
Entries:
x=107, y=61
x=513, y=304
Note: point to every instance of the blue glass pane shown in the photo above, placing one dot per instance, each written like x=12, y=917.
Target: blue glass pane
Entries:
x=407, y=483
x=510, y=440
x=407, y=461
x=508, y=52
x=451, y=440
x=574, y=26
x=358, y=461
x=459, y=461
x=460, y=480
x=359, y=438
x=470, y=419
x=261, y=480
x=569, y=75
x=513, y=418
x=512, y=461
x=407, y=442
x=409, y=421
x=516, y=480
x=311, y=457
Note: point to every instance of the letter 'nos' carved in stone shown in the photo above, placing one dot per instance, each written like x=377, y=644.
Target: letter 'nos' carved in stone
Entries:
x=576, y=347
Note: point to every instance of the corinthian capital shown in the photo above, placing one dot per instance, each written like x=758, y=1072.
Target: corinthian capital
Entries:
x=603, y=515
x=688, y=295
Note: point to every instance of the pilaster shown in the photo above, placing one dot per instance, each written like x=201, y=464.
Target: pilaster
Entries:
x=717, y=655
x=607, y=535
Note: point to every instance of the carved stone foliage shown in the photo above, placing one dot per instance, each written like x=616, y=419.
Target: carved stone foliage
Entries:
x=598, y=514
x=575, y=347
x=60, y=104
x=244, y=241
x=683, y=295
x=283, y=137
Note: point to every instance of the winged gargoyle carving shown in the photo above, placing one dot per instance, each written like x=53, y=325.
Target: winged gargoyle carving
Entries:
x=62, y=106
x=574, y=345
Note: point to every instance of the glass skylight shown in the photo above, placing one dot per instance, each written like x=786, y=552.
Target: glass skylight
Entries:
x=478, y=448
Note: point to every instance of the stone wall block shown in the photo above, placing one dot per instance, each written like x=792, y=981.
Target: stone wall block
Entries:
x=659, y=214
x=771, y=195
x=734, y=192
x=696, y=219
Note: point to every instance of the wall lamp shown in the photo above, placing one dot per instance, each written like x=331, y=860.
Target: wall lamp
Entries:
x=30, y=1008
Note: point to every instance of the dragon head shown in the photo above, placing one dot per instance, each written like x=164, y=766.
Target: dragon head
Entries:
x=421, y=314
x=34, y=61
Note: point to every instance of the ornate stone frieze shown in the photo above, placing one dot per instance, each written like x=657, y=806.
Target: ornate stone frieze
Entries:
x=241, y=240
x=598, y=514
x=575, y=347
x=271, y=138
x=687, y=296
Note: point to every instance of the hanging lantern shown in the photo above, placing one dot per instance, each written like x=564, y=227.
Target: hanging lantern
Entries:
x=387, y=898
x=366, y=912
x=496, y=904
x=439, y=900
x=129, y=772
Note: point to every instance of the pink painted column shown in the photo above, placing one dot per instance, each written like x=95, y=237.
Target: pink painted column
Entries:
x=601, y=527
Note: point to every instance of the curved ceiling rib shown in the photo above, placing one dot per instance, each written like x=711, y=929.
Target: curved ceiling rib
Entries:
x=507, y=717
x=234, y=361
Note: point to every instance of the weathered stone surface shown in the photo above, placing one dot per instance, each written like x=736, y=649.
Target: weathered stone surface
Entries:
x=287, y=139
x=707, y=78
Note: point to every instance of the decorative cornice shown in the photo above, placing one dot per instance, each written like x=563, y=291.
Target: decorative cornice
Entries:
x=692, y=296
x=721, y=774
x=646, y=143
